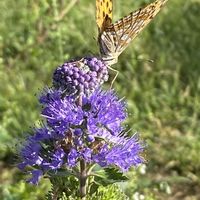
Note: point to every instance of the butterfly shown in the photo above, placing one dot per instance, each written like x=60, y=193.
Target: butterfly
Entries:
x=113, y=38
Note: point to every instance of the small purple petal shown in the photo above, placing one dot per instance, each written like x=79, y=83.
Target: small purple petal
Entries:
x=36, y=175
x=90, y=138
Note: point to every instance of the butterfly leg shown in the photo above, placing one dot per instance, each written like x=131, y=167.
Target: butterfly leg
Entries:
x=117, y=72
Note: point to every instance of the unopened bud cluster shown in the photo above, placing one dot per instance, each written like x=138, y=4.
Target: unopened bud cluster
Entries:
x=80, y=77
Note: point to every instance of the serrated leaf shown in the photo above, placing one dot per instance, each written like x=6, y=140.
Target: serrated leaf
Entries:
x=109, y=176
x=115, y=174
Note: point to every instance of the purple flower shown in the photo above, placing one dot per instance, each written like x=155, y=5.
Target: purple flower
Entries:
x=31, y=154
x=102, y=113
x=80, y=76
x=88, y=128
x=72, y=157
x=60, y=112
x=36, y=175
x=87, y=154
x=125, y=154
x=106, y=113
x=41, y=134
x=57, y=159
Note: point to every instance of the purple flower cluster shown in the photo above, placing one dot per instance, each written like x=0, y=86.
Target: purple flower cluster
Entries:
x=101, y=113
x=81, y=76
x=88, y=128
x=84, y=124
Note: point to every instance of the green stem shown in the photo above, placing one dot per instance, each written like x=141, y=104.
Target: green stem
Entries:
x=83, y=168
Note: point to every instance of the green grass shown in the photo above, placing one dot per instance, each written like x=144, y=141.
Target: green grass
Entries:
x=163, y=96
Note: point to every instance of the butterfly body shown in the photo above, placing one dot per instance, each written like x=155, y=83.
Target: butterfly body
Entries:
x=108, y=52
x=114, y=38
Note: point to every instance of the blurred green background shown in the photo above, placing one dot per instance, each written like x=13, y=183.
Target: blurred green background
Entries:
x=163, y=96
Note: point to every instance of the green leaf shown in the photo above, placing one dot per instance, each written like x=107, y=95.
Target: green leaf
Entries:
x=115, y=174
x=68, y=185
x=109, y=176
x=93, y=188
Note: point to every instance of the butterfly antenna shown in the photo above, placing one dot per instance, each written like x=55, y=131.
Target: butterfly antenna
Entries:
x=117, y=72
x=146, y=60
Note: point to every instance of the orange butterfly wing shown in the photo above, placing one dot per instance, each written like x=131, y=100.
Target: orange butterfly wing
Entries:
x=103, y=14
x=116, y=37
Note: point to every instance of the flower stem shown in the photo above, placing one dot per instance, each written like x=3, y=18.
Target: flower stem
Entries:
x=83, y=179
x=83, y=169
